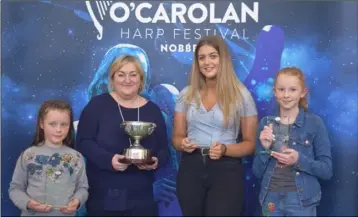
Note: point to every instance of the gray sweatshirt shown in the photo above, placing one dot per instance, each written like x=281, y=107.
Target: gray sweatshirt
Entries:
x=49, y=175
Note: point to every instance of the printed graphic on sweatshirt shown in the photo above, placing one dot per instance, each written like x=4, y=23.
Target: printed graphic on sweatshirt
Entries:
x=53, y=167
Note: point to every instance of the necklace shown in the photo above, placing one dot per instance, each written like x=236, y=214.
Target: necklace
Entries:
x=120, y=110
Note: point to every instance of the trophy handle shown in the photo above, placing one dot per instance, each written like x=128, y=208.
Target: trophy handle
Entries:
x=150, y=130
x=127, y=128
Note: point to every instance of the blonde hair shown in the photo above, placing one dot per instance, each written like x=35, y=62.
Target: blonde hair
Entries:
x=228, y=86
x=293, y=71
x=119, y=63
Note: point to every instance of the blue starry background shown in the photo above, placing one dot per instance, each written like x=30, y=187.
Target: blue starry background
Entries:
x=49, y=49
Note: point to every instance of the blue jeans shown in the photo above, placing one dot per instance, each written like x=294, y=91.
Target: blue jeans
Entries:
x=285, y=204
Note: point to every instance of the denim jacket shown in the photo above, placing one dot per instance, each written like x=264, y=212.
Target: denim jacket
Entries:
x=308, y=136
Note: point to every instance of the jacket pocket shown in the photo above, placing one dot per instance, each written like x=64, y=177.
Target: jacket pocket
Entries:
x=305, y=144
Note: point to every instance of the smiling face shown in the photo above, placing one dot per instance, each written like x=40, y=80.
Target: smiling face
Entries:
x=126, y=77
x=126, y=81
x=289, y=90
x=208, y=61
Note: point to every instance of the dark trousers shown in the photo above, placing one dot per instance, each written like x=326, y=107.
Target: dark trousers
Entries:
x=208, y=187
x=144, y=209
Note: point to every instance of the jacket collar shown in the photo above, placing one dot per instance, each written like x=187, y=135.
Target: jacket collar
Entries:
x=299, y=119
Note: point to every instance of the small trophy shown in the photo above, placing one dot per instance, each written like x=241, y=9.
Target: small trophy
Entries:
x=281, y=135
x=53, y=190
x=137, y=130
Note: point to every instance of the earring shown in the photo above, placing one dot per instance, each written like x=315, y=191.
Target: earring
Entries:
x=140, y=88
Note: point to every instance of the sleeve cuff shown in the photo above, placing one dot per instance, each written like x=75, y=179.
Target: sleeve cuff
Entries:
x=81, y=200
x=23, y=205
x=264, y=158
x=302, y=162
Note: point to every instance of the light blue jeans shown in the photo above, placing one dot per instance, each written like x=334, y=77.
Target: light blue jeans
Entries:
x=285, y=204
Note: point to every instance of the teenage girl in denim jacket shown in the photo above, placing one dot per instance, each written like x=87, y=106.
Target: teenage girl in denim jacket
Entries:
x=289, y=176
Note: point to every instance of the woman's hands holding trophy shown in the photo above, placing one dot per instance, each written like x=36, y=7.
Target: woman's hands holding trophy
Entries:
x=152, y=165
x=118, y=164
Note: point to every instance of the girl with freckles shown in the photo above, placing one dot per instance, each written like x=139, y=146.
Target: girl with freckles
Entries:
x=290, y=176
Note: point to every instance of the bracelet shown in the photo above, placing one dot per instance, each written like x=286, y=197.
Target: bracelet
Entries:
x=225, y=148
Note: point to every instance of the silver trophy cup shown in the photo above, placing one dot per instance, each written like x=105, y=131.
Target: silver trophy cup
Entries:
x=137, y=130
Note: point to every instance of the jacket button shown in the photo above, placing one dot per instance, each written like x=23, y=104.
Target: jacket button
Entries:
x=297, y=173
x=294, y=143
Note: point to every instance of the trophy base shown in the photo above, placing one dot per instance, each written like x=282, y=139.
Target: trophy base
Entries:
x=137, y=155
x=269, y=152
x=266, y=152
x=137, y=161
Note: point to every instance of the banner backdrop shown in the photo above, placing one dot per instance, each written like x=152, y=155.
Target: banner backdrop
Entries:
x=62, y=49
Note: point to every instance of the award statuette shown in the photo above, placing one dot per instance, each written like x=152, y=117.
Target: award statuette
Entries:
x=137, y=130
x=281, y=135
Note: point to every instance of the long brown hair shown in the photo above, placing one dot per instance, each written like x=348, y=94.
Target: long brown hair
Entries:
x=44, y=109
x=228, y=86
x=294, y=71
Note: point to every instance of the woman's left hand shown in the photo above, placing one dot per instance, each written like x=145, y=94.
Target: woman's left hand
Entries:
x=152, y=166
x=288, y=157
x=216, y=151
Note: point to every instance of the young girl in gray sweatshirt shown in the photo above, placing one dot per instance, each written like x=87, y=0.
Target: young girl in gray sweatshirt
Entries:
x=50, y=177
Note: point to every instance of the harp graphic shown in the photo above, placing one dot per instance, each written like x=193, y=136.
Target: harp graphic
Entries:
x=102, y=9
